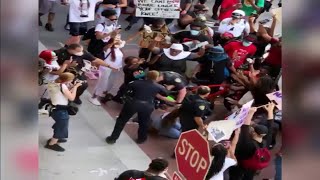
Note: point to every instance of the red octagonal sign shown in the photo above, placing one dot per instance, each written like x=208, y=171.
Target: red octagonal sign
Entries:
x=193, y=155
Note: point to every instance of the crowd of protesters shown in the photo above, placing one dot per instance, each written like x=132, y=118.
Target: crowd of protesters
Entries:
x=232, y=54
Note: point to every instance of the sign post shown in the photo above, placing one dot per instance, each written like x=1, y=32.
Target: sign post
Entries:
x=193, y=155
x=158, y=8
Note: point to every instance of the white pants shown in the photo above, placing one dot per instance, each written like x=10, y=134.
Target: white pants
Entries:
x=105, y=82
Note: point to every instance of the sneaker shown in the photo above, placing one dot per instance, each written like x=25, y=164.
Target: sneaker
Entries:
x=43, y=112
x=77, y=101
x=55, y=147
x=94, y=101
x=49, y=27
x=214, y=17
x=141, y=141
x=109, y=140
x=107, y=98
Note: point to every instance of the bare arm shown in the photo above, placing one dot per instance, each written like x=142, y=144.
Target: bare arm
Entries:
x=71, y=95
x=257, y=8
x=233, y=144
x=123, y=3
x=130, y=38
x=199, y=122
x=102, y=63
x=182, y=93
x=273, y=26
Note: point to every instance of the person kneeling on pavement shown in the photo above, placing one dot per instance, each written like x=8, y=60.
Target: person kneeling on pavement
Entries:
x=140, y=99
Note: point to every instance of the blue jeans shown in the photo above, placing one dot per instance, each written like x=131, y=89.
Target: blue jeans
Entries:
x=278, y=162
x=60, y=127
x=173, y=131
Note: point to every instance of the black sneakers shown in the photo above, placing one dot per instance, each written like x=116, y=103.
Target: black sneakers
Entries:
x=49, y=27
x=109, y=140
x=59, y=141
x=55, y=147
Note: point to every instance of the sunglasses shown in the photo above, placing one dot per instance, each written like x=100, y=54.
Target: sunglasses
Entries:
x=113, y=19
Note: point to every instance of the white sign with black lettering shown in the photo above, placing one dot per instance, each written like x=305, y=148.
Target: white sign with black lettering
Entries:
x=158, y=8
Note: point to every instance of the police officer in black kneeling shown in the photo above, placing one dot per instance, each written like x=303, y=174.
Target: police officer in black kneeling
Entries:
x=194, y=109
x=175, y=83
x=143, y=93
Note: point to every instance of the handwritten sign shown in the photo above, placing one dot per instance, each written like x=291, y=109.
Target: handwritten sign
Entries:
x=220, y=130
x=158, y=8
x=240, y=115
x=277, y=98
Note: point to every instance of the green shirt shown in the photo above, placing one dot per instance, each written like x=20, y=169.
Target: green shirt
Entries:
x=248, y=9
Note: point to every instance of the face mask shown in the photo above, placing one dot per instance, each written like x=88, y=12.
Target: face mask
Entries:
x=194, y=32
x=246, y=43
x=78, y=53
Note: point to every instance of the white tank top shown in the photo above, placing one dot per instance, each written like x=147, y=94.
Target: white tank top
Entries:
x=56, y=96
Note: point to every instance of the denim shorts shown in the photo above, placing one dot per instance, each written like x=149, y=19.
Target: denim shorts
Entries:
x=78, y=29
x=60, y=127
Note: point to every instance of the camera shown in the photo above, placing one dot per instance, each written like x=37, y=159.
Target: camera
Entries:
x=80, y=81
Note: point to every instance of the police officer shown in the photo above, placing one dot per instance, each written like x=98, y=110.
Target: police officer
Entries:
x=174, y=82
x=141, y=102
x=194, y=109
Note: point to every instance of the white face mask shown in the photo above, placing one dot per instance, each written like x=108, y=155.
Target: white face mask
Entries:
x=246, y=43
x=79, y=53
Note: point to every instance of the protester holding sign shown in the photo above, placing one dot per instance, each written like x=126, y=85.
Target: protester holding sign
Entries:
x=223, y=158
x=252, y=145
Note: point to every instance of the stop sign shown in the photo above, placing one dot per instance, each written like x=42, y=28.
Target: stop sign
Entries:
x=176, y=176
x=193, y=155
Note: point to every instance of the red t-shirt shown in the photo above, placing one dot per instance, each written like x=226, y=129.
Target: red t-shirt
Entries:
x=239, y=53
x=227, y=4
x=275, y=54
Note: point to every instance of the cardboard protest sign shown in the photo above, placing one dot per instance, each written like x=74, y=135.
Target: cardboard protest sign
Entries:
x=240, y=115
x=277, y=98
x=158, y=8
x=220, y=130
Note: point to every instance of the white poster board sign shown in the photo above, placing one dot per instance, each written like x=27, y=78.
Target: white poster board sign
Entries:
x=220, y=130
x=158, y=8
x=276, y=97
x=240, y=115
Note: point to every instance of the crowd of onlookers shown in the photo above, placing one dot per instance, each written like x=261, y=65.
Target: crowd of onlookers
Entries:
x=239, y=55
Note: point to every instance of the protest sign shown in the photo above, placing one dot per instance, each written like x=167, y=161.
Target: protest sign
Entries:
x=277, y=98
x=220, y=130
x=240, y=115
x=158, y=8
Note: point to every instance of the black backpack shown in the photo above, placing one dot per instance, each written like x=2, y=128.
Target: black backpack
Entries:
x=96, y=45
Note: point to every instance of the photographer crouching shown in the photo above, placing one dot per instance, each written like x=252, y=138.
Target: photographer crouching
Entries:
x=77, y=65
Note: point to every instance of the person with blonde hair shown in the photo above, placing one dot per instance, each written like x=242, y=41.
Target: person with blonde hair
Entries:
x=60, y=96
x=140, y=97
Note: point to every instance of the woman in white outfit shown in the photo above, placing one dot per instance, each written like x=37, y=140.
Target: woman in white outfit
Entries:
x=223, y=158
x=113, y=56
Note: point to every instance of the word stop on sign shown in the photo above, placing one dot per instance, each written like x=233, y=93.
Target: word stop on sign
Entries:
x=192, y=155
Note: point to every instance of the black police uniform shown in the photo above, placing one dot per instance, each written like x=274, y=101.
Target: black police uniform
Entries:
x=142, y=102
x=64, y=55
x=173, y=78
x=193, y=106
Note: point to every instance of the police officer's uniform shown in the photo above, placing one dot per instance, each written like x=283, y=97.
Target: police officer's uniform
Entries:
x=173, y=78
x=141, y=102
x=193, y=106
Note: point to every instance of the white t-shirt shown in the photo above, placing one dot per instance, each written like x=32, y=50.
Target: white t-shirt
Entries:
x=76, y=10
x=105, y=29
x=56, y=96
x=235, y=29
x=51, y=77
x=228, y=162
x=118, y=61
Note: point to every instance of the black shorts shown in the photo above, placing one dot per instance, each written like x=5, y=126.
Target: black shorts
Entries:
x=78, y=29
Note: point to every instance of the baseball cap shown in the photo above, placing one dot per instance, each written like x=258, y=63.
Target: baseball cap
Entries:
x=260, y=129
